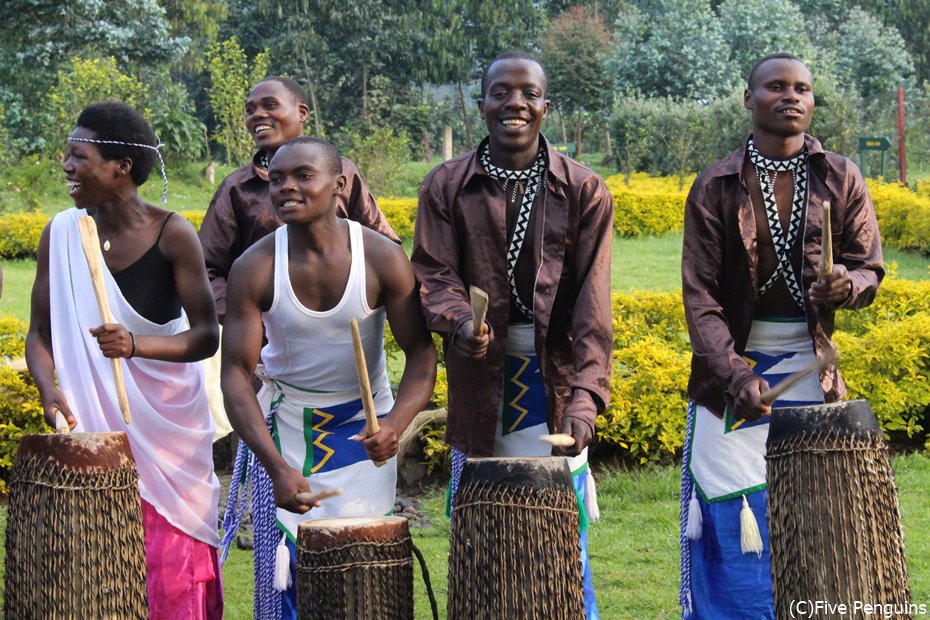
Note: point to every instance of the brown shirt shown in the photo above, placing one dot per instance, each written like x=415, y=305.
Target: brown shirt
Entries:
x=720, y=267
x=241, y=213
x=461, y=240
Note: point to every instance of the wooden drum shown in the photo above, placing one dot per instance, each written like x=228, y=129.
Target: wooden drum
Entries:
x=834, y=522
x=355, y=569
x=515, y=550
x=74, y=541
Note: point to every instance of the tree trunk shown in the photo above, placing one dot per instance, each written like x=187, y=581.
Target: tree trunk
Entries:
x=458, y=86
x=315, y=106
x=578, y=142
x=562, y=123
x=365, y=92
x=608, y=145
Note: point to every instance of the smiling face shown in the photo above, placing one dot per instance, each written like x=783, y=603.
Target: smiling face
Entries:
x=91, y=179
x=273, y=115
x=303, y=186
x=513, y=106
x=781, y=99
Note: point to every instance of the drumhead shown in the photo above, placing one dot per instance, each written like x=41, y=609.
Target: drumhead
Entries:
x=852, y=418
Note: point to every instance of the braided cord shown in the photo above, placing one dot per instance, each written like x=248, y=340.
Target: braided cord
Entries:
x=164, y=175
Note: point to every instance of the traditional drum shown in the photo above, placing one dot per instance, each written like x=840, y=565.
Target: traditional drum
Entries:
x=74, y=541
x=834, y=523
x=354, y=568
x=515, y=549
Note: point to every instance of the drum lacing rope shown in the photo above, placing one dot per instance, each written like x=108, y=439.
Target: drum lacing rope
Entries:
x=429, y=585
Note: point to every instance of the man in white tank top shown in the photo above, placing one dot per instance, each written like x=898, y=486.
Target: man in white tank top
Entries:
x=301, y=287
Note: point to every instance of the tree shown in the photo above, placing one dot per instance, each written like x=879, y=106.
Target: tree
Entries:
x=574, y=53
x=870, y=55
x=669, y=48
x=230, y=81
x=82, y=83
x=756, y=28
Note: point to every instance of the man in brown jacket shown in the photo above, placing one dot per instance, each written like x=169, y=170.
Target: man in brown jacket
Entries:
x=241, y=213
x=757, y=311
x=533, y=229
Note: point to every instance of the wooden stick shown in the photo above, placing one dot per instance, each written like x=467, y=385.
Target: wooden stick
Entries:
x=771, y=395
x=558, y=439
x=91, y=245
x=61, y=423
x=311, y=498
x=826, y=257
x=479, y=307
x=361, y=367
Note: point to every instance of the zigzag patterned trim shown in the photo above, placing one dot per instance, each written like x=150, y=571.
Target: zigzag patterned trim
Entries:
x=766, y=172
x=534, y=177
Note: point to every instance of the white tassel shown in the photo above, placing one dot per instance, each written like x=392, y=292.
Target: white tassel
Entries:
x=282, y=566
x=750, y=540
x=590, y=498
x=695, y=526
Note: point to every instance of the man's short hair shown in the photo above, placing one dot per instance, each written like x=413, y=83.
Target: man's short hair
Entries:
x=331, y=154
x=513, y=56
x=765, y=59
x=112, y=120
x=292, y=87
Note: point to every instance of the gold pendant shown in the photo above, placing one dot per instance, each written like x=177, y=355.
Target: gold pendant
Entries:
x=106, y=245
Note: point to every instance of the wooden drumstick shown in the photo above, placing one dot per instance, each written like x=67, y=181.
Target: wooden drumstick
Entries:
x=61, y=423
x=771, y=395
x=826, y=257
x=91, y=245
x=311, y=498
x=479, y=308
x=368, y=401
x=558, y=439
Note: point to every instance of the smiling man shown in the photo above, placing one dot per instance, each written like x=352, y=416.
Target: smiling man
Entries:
x=533, y=229
x=241, y=213
x=301, y=287
x=756, y=312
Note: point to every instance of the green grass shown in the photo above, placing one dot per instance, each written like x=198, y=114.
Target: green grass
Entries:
x=18, y=276
x=634, y=547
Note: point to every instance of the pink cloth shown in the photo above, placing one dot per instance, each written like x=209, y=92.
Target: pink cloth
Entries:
x=184, y=580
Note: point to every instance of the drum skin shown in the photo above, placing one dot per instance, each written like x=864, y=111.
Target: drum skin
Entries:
x=75, y=547
x=834, y=520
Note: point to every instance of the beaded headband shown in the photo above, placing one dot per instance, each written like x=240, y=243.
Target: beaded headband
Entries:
x=164, y=175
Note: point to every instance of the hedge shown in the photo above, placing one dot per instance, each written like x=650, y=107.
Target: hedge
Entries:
x=647, y=206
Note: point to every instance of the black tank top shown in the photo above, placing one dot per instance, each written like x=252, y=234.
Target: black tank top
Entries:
x=148, y=284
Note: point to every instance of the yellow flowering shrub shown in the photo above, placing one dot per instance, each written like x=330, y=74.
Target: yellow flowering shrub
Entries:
x=195, y=217
x=20, y=414
x=903, y=215
x=12, y=337
x=20, y=233
x=401, y=213
x=649, y=205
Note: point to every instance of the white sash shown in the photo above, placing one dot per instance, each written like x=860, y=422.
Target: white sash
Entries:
x=171, y=432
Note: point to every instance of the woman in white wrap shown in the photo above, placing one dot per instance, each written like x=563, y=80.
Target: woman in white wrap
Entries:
x=164, y=323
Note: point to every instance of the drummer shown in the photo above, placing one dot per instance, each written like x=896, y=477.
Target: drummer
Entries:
x=533, y=229
x=756, y=312
x=156, y=285
x=303, y=285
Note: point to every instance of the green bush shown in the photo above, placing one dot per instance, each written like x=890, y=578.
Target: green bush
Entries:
x=380, y=155
x=903, y=215
x=645, y=205
x=12, y=337
x=31, y=180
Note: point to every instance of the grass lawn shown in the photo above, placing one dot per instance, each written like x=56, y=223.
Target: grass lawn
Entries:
x=634, y=547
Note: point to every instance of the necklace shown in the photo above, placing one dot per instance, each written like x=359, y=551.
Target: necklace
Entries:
x=106, y=242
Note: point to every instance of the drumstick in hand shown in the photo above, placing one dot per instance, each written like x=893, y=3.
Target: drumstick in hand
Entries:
x=771, y=395
x=479, y=308
x=562, y=440
x=91, y=245
x=361, y=367
x=826, y=257
x=310, y=499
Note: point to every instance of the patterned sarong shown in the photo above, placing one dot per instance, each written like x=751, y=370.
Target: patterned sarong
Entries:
x=523, y=418
x=312, y=432
x=724, y=461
